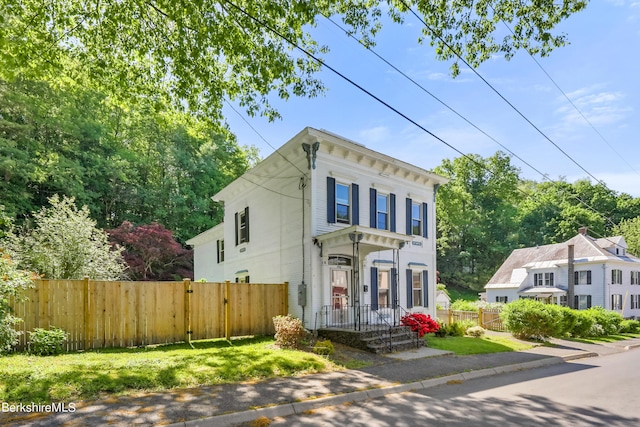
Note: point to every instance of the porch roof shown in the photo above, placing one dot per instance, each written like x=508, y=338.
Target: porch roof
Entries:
x=371, y=239
x=541, y=291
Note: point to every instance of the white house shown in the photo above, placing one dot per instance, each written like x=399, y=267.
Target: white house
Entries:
x=591, y=272
x=351, y=230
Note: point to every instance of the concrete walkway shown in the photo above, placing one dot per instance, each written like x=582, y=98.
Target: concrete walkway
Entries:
x=235, y=404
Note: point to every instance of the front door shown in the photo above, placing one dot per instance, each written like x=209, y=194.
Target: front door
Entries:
x=340, y=281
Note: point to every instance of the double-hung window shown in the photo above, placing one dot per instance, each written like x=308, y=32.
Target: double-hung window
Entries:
x=543, y=279
x=342, y=202
x=220, y=250
x=343, y=207
x=242, y=226
x=416, y=285
x=416, y=219
x=582, y=277
x=616, y=277
x=616, y=302
x=382, y=212
x=635, y=277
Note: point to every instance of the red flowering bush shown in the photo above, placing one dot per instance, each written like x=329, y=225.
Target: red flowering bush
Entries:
x=420, y=323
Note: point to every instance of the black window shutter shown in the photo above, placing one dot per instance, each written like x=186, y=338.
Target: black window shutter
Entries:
x=550, y=279
x=392, y=213
x=237, y=228
x=575, y=277
x=331, y=200
x=409, y=205
x=409, y=274
x=246, y=222
x=374, y=288
x=576, y=302
x=588, y=277
x=355, y=204
x=373, y=194
x=588, y=301
x=425, y=287
x=394, y=287
x=218, y=251
x=425, y=222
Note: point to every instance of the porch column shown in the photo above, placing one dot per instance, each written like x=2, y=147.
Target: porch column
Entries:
x=356, y=238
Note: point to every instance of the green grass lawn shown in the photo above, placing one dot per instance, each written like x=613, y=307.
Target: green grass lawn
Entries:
x=471, y=345
x=606, y=338
x=88, y=375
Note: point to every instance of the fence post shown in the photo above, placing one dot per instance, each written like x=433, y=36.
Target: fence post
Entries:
x=227, y=310
x=480, y=316
x=450, y=317
x=187, y=310
x=286, y=298
x=87, y=313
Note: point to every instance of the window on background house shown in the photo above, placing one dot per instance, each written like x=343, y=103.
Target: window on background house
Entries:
x=563, y=300
x=502, y=299
x=242, y=226
x=635, y=301
x=582, y=302
x=582, y=277
x=416, y=285
x=635, y=277
x=543, y=279
x=616, y=277
x=616, y=302
x=220, y=250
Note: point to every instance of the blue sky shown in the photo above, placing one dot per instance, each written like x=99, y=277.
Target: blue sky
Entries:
x=598, y=71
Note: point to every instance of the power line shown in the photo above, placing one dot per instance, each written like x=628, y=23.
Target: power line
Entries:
x=459, y=56
x=575, y=106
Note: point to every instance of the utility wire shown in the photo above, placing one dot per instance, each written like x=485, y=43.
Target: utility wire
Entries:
x=459, y=56
x=575, y=106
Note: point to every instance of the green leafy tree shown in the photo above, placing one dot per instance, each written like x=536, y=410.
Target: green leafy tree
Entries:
x=476, y=211
x=630, y=229
x=197, y=54
x=13, y=283
x=64, y=243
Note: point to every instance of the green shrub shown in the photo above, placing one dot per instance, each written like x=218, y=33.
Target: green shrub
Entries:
x=583, y=324
x=443, y=330
x=289, y=331
x=567, y=319
x=464, y=305
x=44, y=342
x=527, y=318
x=630, y=327
x=608, y=320
x=324, y=348
x=8, y=335
x=457, y=329
x=476, y=331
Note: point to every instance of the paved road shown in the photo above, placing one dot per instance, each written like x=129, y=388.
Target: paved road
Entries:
x=603, y=391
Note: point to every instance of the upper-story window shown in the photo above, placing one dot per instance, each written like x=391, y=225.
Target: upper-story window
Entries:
x=343, y=208
x=416, y=219
x=220, y=250
x=582, y=277
x=342, y=202
x=242, y=226
x=616, y=277
x=382, y=212
x=382, y=208
x=635, y=277
x=543, y=279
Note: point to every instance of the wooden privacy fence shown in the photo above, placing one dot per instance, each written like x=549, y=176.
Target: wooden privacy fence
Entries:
x=487, y=318
x=99, y=314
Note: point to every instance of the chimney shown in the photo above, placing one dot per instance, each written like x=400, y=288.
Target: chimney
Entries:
x=583, y=230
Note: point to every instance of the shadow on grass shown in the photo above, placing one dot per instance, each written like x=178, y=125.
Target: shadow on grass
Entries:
x=114, y=371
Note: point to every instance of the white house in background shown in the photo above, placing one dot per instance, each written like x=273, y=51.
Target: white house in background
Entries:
x=351, y=230
x=594, y=272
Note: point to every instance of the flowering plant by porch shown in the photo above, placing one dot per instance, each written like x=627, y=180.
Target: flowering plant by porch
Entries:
x=420, y=323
